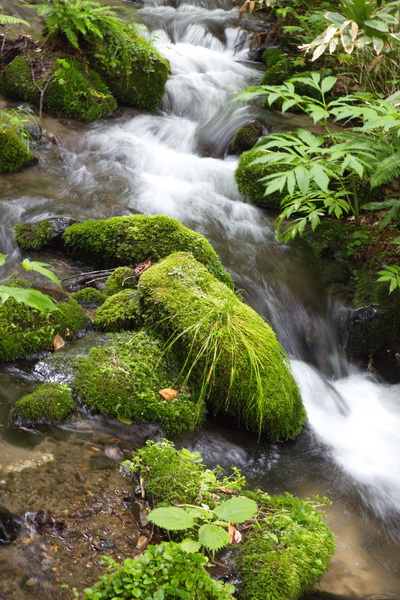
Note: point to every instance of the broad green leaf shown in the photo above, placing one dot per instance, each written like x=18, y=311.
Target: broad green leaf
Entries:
x=31, y=298
x=303, y=179
x=171, y=518
x=213, y=537
x=376, y=24
x=3, y=258
x=158, y=595
x=236, y=509
x=327, y=84
x=189, y=545
x=39, y=267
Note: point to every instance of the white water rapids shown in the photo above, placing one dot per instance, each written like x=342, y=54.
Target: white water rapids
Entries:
x=170, y=162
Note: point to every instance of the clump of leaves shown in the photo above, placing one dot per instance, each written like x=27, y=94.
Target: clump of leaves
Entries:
x=18, y=121
x=163, y=572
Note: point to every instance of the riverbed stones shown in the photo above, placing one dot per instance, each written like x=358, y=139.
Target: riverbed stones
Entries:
x=229, y=353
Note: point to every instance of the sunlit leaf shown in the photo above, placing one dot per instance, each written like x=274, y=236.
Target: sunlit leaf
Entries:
x=171, y=518
x=213, y=537
x=40, y=267
x=236, y=509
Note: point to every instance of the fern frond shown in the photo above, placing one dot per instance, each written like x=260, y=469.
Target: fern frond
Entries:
x=388, y=168
x=9, y=20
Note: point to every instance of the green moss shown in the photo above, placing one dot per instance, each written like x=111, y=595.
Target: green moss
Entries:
x=246, y=137
x=14, y=155
x=124, y=378
x=287, y=553
x=279, y=72
x=131, y=240
x=89, y=297
x=33, y=236
x=50, y=403
x=121, y=279
x=119, y=311
x=227, y=349
x=131, y=66
x=247, y=177
x=271, y=56
x=25, y=331
x=74, y=91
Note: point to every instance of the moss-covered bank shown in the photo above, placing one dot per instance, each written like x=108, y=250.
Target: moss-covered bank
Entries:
x=25, y=331
x=247, y=177
x=14, y=155
x=227, y=349
x=49, y=404
x=131, y=240
x=124, y=379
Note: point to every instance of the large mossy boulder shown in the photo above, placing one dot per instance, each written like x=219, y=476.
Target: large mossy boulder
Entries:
x=75, y=91
x=49, y=404
x=227, y=349
x=14, y=155
x=286, y=555
x=25, y=331
x=124, y=379
x=130, y=65
x=131, y=240
x=248, y=176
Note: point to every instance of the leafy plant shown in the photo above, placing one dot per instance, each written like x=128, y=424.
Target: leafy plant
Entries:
x=163, y=572
x=29, y=297
x=18, y=121
x=211, y=525
x=10, y=20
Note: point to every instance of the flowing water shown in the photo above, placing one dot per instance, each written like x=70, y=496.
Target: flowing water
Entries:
x=173, y=162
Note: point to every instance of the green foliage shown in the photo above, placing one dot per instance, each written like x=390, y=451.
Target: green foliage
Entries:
x=14, y=155
x=50, y=403
x=174, y=476
x=228, y=351
x=123, y=278
x=10, y=20
x=163, y=572
x=18, y=121
x=120, y=311
x=131, y=240
x=89, y=297
x=123, y=379
x=33, y=236
x=391, y=275
x=249, y=175
x=70, y=20
x=288, y=550
x=210, y=525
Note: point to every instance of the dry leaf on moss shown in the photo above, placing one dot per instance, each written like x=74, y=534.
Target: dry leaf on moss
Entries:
x=58, y=342
x=168, y=393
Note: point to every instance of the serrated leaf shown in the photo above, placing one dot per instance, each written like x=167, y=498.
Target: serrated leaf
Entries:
x=189, y=545
x=171, y=518
x=236, y=509
x=213, y=537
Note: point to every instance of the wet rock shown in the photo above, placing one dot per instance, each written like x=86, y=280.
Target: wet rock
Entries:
x=47, y=232
x=9, y=526
x=139, y=513
x=43, y=518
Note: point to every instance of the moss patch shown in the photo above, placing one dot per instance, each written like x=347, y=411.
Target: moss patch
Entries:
x=130, y=240
x=287, y=554
x=131, y=66
x=74, y=91
x=120, y=311
x=50, y=403
x=124, y=378
x=25, y=331
x=246, y=137
x=247, y=177
x=123, y=278
x=33, y=236
x=227, y=348
x=14, y=155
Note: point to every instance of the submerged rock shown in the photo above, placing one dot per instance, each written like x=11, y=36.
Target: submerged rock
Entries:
x=131, y=240
x=230, y=354
x=9, y=526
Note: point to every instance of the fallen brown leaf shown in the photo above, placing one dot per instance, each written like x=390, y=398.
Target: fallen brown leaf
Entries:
x=168, y=393
x=58, y=342
x=226, y=490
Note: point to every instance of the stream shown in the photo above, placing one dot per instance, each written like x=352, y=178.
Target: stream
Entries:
x=173, y=162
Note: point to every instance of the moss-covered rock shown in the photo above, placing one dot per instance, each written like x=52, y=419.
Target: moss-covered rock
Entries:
x=74, y=91
x=120, y=311
x=227, y=349
x=50, y=403
x=33, y=236
x=279, y=72
x=90, y=297
x=14, y=155
x=246, y=137
x=124, y=379
x=131, y=240
x=25, y=331
x=130, y=65
x=123, y=278
x=286, y=555
x=271, y=56
x=247, y=177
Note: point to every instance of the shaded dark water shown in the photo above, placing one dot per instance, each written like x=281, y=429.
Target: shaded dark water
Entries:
x=171, y=162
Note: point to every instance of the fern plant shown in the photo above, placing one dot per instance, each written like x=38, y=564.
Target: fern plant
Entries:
x=10, y=20
x=76, y=19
